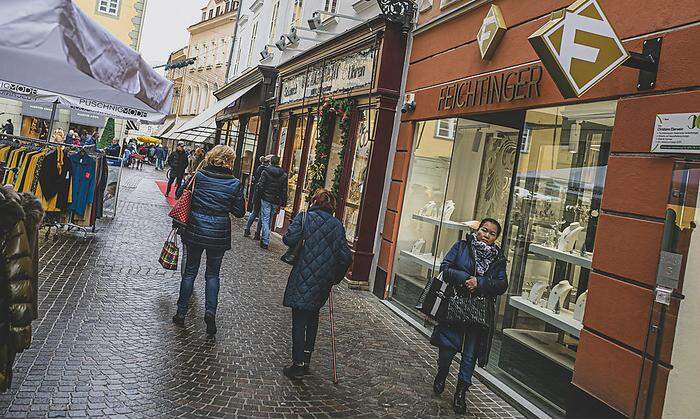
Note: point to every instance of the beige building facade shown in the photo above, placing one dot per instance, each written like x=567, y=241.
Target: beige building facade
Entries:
x=122, y=18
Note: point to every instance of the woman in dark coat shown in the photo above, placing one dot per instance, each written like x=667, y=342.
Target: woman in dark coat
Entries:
x=478, y=266
x=217, y=193
x=322, y=263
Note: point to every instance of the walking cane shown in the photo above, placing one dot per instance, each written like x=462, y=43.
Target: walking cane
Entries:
x=333, y=358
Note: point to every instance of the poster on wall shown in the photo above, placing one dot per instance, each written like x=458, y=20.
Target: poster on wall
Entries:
x=676, y=133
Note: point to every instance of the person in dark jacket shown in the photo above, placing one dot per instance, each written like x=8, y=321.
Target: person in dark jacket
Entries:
x=271, y=190
x=217, y=193
x=20, y=217
x=113, y=149
x=255, y=205
x=178, y=163
x=476, y=265
x=8, y=128
x=160, y=155
x=323, y=261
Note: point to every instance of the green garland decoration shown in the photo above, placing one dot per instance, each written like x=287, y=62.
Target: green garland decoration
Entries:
x=332, y=108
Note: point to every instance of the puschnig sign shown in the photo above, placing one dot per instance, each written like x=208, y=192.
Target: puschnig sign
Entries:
x=346, y=73
x=579, y=47
x=491, y=32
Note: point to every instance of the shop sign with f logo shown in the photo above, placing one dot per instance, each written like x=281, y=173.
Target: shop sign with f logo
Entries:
x=578, y=47
x=492, y=30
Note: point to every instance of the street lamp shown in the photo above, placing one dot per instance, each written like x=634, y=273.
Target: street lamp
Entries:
x=315, y=22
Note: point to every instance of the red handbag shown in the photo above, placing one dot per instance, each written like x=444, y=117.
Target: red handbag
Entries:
x=181, y=210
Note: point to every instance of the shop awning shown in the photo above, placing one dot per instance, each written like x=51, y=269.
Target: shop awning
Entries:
x=197, y=134
x=53, y=52
x=206, y=118
x=148, y=140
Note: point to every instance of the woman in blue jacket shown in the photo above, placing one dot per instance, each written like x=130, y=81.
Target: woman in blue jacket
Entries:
x=478, y=266
x=217, y=193
x=323, y=261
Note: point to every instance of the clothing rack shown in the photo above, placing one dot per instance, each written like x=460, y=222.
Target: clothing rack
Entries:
x=49, y=221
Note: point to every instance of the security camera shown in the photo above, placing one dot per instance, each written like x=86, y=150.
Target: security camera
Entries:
x=409, y=103
x=315, y=21
x=282, y=43
x=292, y=37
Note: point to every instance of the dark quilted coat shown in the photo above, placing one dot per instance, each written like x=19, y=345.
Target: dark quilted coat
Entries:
x=323, y=262
x=272, y=186
x=457, y=266
x=217, y=193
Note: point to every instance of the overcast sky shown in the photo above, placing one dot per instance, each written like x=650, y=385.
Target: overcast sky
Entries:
x=165, y=28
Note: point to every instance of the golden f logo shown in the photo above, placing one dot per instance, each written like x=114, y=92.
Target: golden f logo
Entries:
x=491, y=32
x=579, y=47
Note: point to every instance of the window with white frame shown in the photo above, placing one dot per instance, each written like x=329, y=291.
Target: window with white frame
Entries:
x=446, y=128
x=211, y=13
x=218, y=10
x=297, y=13
x=273, y=23
x=228, y=6
x=110, y=7
x=204, y=16
x=253, y=35
x=331, y=6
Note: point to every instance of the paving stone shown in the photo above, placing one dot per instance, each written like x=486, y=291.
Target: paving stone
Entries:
x=105, y=345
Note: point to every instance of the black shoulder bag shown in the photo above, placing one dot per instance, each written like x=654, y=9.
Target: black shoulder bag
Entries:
x=291, y=256
x=465, y=308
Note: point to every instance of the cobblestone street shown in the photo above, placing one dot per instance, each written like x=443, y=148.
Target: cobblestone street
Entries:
x=105, y=345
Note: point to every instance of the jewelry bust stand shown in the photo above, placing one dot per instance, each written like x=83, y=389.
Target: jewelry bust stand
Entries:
x=580, y=306
x=558, y=294
x=536, y=292
x=449, y=210
x=567, y=239
x=418, y=246
x=428, y=210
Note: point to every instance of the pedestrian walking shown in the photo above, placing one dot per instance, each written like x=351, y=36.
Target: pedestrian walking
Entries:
x=216, y=193
x=159, y=154
x=255, y=205
x=178, y=166
x=322, y=261
x=8, y=128
x=195, y=160
x=271, y=191
x=477, y=266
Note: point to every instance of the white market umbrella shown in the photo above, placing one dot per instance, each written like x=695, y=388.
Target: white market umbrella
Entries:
x=52, y=52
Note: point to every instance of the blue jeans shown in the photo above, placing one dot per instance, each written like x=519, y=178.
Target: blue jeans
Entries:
x=190, y=267
x=304, y=330
x=251, y=219
x=469, y=355
x=266, y=210
x=159, y=164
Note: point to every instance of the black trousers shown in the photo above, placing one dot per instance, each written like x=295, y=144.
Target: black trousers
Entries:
x=304, y=330
x=171, y=179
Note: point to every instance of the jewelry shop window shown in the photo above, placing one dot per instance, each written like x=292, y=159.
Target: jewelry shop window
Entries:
x=360, y=166
x=313, y=138
x=297, y=146
x=461, y=171
x=555, y=207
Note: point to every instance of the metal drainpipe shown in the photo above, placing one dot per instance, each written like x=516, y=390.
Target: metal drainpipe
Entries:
x=233, y=41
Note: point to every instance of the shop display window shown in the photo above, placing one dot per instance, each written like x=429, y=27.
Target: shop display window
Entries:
x=311, y=159
x=360, y=166
x=297, y=147
x=452, y=182
x=33, y=127
x=550, y=244
x=334, y=157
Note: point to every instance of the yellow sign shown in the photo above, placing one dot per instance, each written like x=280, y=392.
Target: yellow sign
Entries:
x=578, y=47
x=492, y=30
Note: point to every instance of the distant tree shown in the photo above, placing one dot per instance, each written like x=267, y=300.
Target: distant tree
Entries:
x=107, y=134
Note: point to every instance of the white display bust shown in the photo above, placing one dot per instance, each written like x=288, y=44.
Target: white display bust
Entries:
x=418, y=246
x=567, y=239
x=558, y=294
x=536, y=292
x=580, y=307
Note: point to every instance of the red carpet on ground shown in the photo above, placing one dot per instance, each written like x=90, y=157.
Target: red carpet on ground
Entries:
x=163, y=185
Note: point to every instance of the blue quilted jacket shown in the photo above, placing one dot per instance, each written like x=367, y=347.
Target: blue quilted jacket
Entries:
x=217, y=193
x=323, y=262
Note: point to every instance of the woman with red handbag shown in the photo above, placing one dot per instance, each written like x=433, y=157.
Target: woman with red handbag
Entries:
x=214, y=194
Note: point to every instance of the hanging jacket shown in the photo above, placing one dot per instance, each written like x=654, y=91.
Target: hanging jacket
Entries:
x=217, y=193
x=83, y=182
x=20, y=216
x=272, y=186
x=457, y=266
x=323, y=261
x=54, y=177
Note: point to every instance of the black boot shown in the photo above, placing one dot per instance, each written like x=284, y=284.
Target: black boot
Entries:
x=246, y=233
x=293, y=371
x=459, y=405
x=179, y=320
x=307, y=361
x=210, y=321
x=439, y=383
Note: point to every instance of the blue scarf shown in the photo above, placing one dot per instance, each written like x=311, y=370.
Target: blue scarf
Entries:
x=485, y=255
